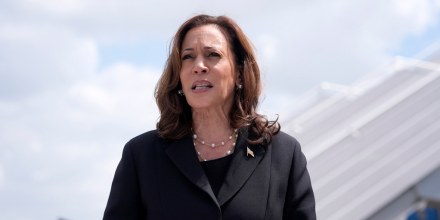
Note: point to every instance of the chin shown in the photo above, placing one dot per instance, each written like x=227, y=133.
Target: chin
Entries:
x=199, y=102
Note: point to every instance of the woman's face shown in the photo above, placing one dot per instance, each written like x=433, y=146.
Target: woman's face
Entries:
x=208, y=73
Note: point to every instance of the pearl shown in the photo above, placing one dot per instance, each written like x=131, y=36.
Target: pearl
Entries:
x=229, y=150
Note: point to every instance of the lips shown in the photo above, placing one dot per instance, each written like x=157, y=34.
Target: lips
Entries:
x=201, y=85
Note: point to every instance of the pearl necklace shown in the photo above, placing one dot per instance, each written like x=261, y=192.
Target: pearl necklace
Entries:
x=213, y=145
x=229, y=151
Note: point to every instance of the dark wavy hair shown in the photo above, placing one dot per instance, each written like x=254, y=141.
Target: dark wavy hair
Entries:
x=175, y=119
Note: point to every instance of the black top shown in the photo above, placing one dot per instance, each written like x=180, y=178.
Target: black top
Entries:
x=216, y=170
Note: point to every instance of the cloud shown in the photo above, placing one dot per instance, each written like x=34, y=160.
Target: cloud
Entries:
x=58, y=142
x=42, y=57
x=343, y=39
x=64, y=122
x=338, y=42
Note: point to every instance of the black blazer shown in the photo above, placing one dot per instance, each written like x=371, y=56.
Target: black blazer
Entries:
x=162, y=179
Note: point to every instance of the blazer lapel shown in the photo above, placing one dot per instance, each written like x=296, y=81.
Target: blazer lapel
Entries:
x=183, y=155
x=241, y=167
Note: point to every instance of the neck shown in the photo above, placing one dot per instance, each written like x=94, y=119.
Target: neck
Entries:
x=211, y=125
x=213, y=135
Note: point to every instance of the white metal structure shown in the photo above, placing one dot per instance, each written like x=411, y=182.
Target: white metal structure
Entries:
x=369, y=143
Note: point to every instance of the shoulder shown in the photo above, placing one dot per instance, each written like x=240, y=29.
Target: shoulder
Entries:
x=284, y=145
x=285, y=140
x=149, y=136
x=143, y=141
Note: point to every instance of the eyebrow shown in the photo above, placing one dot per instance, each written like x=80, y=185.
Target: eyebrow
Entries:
x=192, y=49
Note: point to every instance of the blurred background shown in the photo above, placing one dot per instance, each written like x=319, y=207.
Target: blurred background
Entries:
x=358, y=77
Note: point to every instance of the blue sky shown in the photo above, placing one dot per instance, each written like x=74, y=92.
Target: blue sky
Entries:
x=77, y=79
x=413, y=44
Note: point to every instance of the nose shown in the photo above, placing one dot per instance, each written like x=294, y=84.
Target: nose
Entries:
x=199, y=66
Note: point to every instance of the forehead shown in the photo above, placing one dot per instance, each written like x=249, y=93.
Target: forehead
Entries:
x=207, y=35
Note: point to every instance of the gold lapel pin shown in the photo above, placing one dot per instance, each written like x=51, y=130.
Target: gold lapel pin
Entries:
x=249, y=153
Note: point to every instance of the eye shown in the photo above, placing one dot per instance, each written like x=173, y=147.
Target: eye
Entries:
x=186, y=56
x=213, y=54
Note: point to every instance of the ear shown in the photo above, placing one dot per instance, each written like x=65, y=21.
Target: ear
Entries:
x=238, y=80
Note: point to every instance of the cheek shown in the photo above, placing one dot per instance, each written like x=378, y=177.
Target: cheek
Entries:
x=228, y=83
x=229, y=74
x=183, y=78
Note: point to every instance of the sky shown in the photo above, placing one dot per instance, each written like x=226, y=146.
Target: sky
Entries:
x=77, y=79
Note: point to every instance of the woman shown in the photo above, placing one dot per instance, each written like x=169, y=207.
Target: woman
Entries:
x=212, y=155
